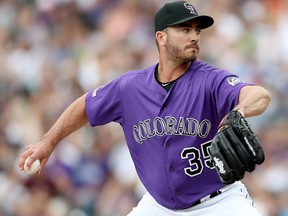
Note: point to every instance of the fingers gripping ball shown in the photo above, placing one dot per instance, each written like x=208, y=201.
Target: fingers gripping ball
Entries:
x=35, y=166
x=235, y=148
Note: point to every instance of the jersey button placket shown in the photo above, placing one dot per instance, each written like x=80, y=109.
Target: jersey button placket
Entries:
x=162, y=98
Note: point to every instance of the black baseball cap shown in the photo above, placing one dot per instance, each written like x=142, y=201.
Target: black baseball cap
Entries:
x=174, y=13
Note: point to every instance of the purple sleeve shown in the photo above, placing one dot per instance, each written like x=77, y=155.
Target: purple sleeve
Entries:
x=226, y=89
x=103, y=105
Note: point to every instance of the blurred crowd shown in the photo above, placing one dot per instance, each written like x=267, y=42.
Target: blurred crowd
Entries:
x=53, y=51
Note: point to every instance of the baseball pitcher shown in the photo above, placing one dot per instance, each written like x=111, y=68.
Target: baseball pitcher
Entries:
x=184, y=122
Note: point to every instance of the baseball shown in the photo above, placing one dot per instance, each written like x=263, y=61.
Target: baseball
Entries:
x=35, y=166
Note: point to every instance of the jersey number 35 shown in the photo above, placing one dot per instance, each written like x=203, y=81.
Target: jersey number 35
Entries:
x=196, y=157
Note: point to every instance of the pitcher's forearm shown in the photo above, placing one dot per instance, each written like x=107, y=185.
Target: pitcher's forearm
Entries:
x=253, y=101
x=73, y=118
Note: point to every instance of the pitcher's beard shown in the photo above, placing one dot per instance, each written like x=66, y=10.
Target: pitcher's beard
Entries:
x=189, y=58
x=182, y=59
x=179, y=56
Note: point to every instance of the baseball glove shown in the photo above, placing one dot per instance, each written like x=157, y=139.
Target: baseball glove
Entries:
x=235, y=149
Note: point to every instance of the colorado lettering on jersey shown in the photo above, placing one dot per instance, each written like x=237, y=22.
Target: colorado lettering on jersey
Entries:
x=170, y=126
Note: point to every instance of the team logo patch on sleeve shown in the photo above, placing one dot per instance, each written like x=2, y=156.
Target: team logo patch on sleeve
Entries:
x=233, y=80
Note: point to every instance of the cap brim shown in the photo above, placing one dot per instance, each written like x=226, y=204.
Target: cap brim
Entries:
x=204, y=21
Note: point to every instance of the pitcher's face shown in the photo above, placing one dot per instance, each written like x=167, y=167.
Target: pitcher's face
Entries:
x=182, y=42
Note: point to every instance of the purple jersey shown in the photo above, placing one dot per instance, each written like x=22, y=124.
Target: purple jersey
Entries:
x=168, y=133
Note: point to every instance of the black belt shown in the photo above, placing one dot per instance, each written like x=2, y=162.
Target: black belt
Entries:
x=210, y=196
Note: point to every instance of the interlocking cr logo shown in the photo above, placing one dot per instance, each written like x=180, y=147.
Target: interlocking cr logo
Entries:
x=219, y=164
x=190, y=7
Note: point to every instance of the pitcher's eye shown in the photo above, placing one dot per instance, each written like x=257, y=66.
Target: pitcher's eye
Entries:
x=186, y=30
x=198, y=30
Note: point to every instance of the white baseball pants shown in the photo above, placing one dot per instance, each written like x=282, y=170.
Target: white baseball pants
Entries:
x=233, y=201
